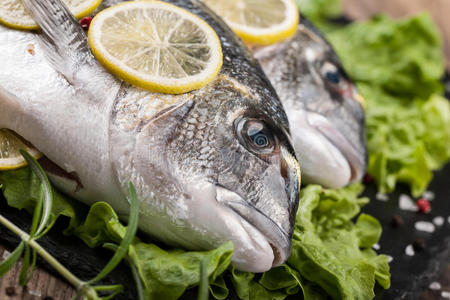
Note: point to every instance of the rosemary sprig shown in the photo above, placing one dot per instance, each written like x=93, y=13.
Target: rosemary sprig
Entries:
x=40, y=226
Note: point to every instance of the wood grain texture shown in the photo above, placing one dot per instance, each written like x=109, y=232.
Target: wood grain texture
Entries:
x=42, y=286
x=439, y=10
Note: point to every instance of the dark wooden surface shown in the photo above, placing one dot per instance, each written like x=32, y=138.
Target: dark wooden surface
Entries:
x=43, y=285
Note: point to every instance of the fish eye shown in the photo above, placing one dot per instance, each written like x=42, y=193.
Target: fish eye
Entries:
x=255, y=135
x=331, y=73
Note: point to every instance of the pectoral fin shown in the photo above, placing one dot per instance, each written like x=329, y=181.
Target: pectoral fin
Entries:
x=153, y=138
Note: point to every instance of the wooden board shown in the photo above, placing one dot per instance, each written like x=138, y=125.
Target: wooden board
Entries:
x=439, y=10
x=42, y=286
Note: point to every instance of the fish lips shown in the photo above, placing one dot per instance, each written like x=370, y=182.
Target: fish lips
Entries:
x=278, y=239
x=356, y=159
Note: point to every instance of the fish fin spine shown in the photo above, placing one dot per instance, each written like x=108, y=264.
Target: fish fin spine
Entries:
x=63, y=40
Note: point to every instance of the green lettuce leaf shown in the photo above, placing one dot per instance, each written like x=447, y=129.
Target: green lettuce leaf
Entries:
x=319, y=9
x=408, y=121
x=402, y=58
x=22, y=188
x=100, y=226
x=167, y=274
x=408, y=143
x=333, y=252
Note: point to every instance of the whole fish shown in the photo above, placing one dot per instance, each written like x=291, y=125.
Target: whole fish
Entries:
x=323, y=106
x=210, y=166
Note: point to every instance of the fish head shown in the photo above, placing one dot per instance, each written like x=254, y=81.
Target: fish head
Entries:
x=323, y=106
x=236, y=174
x=259, y=176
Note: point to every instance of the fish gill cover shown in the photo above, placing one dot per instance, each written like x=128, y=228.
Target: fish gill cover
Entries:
x=397, y=66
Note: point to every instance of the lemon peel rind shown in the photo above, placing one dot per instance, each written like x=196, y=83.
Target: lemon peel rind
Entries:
x=20, y=163
x=274, y=34
x=88, y=10
x=29, y=26
x=265, y=39
x=18, y=26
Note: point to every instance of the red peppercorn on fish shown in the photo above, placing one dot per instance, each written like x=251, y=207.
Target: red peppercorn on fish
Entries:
x=210, y=166
x=323, y=107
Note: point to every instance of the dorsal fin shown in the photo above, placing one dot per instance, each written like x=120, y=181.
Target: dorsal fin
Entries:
x=63, y=39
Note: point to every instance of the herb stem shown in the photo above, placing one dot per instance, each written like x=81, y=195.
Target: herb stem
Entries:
x=63, y=271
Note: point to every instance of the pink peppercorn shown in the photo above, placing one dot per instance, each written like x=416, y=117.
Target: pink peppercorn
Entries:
x=423, y=205
x=85, y=22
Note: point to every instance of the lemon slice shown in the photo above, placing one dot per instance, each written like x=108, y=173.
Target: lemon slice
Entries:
x=156, y=46
x=13, y=13
x=261, y=22
x=10, y=144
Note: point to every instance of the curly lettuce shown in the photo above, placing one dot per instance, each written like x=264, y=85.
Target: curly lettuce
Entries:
x=397, y=66
x=320, y=9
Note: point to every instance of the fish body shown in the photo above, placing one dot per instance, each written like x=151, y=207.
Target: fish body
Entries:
x=201, y=172
x=323, y=106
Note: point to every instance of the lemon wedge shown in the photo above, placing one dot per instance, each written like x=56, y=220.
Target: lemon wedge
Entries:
x=13, y=13
x=261, y=22
x=10, y=144
x=156, y=46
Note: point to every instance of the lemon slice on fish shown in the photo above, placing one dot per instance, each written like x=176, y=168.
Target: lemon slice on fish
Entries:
x=13, y=13
x=156, y=46
x=261, y=22
x=10, y=144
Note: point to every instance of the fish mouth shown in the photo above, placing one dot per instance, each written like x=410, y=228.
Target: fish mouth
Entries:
x=278, y=239
x=357, y=160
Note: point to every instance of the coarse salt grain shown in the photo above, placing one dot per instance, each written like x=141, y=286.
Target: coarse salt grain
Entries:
x=6, y=254
x=435, y=286
x=382, y=197
x=429, y=195
x=409, y=250
x=390, y=258
x=424, y=226
x=35, y=293
x=376, y=246
x=438, y=221
x=406, y=203
x=445, y=294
